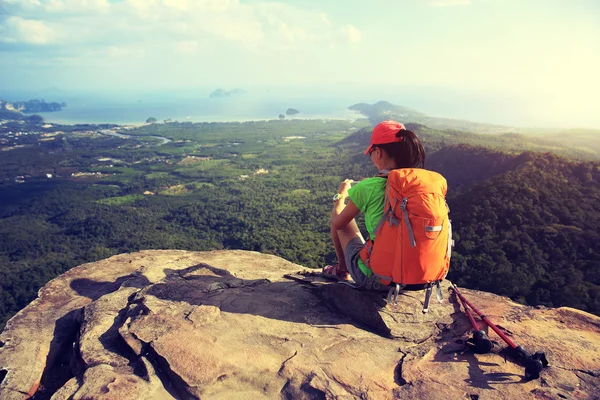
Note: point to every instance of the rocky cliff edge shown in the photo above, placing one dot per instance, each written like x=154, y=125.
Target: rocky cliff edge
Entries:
x=244, y=325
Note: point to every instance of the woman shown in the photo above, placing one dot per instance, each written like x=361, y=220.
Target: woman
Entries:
x=392, y=146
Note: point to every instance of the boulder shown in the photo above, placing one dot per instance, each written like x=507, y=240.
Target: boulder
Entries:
x=165, y=324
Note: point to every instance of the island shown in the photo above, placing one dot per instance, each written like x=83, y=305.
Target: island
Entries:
x=221, y=93
x=31, y=106
x=292, y=111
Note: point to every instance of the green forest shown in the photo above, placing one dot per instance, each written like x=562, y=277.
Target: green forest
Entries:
x=526, y=210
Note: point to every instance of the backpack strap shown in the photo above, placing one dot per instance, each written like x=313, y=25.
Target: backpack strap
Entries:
x=387, y=216
x=438, y=292
x=411, y=235
x=427, y=297
x=394, y=290
x=370, y=283
x=450, y=240
x=352, y=285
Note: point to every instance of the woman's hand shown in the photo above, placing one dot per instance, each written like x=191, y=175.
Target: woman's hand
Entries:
x=344, y=186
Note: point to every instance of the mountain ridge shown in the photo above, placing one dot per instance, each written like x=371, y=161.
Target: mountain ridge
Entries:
x=383, y=110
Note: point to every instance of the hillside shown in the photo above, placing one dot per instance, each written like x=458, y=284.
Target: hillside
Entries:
x=532, y=233
x=436, y=139
x=383, y=110
x=238, y=324
x=584, y=139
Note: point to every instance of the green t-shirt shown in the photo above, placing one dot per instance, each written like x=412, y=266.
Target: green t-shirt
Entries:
x=368, y=196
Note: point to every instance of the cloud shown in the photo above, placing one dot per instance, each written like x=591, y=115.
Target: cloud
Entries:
x=187, y=46
x=268, y=23
x=293, y=32
x=448, y=3
x=352, y=33
x=24, y=4
x=19, y=30
x=75, y=6
x=226, y=38
x=178, y=4
x=454, y=3
x=119, y=52
x=60, y=6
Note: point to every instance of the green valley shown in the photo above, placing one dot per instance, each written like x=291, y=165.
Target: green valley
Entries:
x=525, y=206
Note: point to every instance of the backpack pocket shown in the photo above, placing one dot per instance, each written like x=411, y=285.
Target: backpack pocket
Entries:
x=433, y=228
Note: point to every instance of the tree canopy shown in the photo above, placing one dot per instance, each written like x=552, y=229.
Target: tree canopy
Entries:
x=526, y=222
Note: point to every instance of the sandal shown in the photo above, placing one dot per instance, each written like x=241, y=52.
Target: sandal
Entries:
x=334, y=272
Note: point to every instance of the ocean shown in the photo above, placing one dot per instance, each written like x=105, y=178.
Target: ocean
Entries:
x=313, y=102
x=128, y=109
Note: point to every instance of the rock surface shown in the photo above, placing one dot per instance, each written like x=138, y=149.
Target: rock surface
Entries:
x=244, y=325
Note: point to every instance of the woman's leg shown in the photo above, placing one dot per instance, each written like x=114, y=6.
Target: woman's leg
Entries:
x=341, y=238
x=339, y=250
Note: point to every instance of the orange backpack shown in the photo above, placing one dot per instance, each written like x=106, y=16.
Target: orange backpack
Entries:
x=413, y=239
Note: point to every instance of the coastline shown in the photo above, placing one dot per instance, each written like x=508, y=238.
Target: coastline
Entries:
x=124, y=112
x=60, y=121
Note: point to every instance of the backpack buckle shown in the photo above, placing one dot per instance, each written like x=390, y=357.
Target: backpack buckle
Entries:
x=394, y=290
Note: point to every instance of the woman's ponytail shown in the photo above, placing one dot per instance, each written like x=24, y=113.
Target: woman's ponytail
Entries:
x=407, y=153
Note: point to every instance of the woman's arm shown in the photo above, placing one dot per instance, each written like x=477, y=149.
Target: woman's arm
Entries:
x=341, y=214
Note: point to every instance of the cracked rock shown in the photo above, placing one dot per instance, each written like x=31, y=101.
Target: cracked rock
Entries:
x=228, y=324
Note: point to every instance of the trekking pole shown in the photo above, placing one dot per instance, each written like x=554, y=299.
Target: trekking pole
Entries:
x=533, y=363
x=480, y=341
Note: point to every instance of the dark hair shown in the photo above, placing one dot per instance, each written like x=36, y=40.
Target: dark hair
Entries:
x=409, y=153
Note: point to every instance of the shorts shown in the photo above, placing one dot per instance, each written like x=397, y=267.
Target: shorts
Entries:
x=352, y=254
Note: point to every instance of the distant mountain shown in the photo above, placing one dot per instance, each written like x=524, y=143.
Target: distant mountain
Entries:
x=384, y=110
x=220, y=93
x=585, y=140
x=582, y=144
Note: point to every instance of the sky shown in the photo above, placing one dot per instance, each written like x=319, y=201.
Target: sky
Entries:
x=543, y=54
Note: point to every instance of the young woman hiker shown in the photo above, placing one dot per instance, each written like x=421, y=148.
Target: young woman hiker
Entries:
x=392, y=146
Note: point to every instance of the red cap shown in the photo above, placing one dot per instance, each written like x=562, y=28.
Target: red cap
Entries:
x=385, y=132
